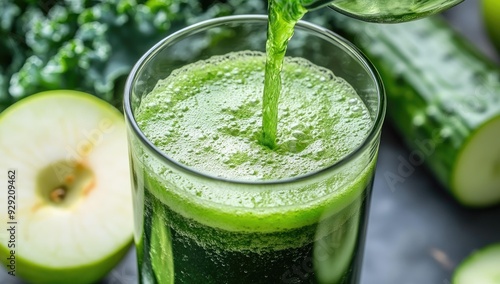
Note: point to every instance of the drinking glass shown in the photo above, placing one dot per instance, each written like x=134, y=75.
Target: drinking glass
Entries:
x=194, y=227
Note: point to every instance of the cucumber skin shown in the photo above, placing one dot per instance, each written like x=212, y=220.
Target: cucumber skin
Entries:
x=440, y=88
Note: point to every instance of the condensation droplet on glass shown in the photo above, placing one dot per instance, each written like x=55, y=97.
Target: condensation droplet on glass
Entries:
x=418, y=120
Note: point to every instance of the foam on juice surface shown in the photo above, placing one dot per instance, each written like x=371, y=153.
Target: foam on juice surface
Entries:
x=207, y=116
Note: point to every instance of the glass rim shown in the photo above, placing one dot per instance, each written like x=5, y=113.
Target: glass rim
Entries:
x=246, y=19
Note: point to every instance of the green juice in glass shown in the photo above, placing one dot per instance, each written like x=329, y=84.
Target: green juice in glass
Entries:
x=207, y=116
x=262, y=164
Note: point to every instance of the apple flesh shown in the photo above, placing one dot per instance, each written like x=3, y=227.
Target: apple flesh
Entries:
x=73, y=204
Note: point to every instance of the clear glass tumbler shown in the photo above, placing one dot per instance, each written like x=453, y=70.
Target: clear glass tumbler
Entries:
x=194, y=227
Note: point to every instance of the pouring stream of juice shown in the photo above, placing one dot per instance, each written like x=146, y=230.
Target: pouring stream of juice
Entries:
x=284, y=14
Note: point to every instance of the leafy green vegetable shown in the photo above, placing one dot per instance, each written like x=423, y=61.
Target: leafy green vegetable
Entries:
x=90, y=45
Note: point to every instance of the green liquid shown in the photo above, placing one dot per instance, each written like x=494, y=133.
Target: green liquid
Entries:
x=210, y=116
x=206, y=115
x=283, y=15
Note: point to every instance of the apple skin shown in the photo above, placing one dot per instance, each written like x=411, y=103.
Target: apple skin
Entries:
x=90, y=273
x=38, y=272
x=491, y=15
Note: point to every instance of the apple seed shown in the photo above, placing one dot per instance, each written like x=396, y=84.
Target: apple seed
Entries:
x=58, y=194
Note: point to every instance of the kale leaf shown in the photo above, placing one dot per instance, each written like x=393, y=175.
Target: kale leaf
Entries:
x=90, y=45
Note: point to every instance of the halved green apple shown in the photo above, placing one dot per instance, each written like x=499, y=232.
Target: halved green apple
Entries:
x=73, y=204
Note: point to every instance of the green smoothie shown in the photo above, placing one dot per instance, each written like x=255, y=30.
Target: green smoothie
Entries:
x=207, y=116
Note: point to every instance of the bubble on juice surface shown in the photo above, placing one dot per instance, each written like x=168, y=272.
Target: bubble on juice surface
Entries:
x=213, y=117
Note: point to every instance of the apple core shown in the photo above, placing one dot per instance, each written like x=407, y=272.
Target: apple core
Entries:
x=64, y=182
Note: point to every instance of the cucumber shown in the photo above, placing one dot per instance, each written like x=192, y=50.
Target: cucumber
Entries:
x=482, y=267
x=444, y=100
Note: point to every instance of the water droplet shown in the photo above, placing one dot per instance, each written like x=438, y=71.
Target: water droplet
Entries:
x=296, y=126
x=291, y=144
x=257, y=199
x=299, y=134
x=432, y=111
x=445, y=133
x=418, y=120
x=339, y=98
x=356, y=108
